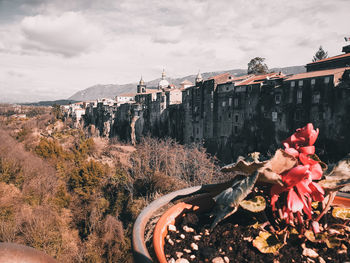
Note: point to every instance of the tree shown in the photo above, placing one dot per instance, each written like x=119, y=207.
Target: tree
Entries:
x=320, y=54
x=256, y=66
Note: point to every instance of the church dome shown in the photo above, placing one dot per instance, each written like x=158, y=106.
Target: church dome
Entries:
x=163, y=83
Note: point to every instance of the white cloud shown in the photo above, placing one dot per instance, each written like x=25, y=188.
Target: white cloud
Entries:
x=167, y=34
x=68, y=34
x=62, y=46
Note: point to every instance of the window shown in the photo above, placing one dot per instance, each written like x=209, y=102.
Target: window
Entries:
x=230, y=102
x=292, y=84
x=197, y=130
x=236, y=118
x=274, y=116
x=313, y=82
x=235, y=102
x=223, y=103
x=316, y=97
x=326, y=80
x=226, y=88
x=300, y=83
x=299, y=96
x=211, y=105
x=278, y=98
x=236, y=129
x=212, y=94
x=220, y=118
x=229, y=115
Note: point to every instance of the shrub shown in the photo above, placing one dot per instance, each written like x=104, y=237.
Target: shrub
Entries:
x=11, y=172
x=50, y=149
x=85, y=179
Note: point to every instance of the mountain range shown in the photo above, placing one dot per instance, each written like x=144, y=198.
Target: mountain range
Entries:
x=112, y=90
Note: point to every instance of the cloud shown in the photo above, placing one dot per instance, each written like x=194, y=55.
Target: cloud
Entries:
x=68, y=34
x=167, y=34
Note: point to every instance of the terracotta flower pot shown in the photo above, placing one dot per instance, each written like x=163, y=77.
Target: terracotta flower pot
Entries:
x=201, y=203
x=140, y=251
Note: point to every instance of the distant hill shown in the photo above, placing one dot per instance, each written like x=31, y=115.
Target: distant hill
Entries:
x=112, y=90
x=50, y=103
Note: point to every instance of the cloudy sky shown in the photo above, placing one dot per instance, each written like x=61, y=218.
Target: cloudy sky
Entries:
x=49, y=49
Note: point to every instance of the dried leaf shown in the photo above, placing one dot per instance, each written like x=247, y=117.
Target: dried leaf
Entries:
x=269, y=170
x=281, y=162
x=310, y=235
x=315, y=204
x=333, y=242
x=257, y=204
x=341, y=212
x=244, y=165
x=338, y=177
x=267, y=243
x=226, y=203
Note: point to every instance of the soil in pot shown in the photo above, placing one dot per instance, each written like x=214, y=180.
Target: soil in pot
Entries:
x=231, y=241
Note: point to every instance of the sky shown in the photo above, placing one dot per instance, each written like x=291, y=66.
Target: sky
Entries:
x=50, y=49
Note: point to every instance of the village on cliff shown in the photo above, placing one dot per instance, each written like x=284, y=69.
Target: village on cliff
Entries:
x=231, y=115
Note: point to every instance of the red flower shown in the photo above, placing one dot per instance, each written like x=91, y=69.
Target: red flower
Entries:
x=305, y=136
x=298, y=181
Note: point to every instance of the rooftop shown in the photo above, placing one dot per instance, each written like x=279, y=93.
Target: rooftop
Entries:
x=331, y=58
x=337, y=73
x=255, y=79
x=222, y=78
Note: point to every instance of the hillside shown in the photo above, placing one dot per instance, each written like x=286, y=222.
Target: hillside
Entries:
x=112, y=90
x=76, y=198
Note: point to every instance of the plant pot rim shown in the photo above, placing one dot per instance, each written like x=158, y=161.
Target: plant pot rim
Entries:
x=140, y=251
x=169, y=216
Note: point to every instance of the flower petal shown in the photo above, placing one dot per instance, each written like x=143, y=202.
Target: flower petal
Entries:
x=295, y=175
x=276, y=190
x=317, y=192
x=316, y=171
x=294, y=202
x=303, y=187
x=313, y=136
x=307, y=149
x=292, y=152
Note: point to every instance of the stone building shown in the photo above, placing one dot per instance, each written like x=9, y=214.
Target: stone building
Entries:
x=233, y=115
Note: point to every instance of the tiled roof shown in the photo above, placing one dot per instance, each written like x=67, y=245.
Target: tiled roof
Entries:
x=127, y=95
x=255, y=79
x=337, y=72
x=222, y=78
x=331, y=58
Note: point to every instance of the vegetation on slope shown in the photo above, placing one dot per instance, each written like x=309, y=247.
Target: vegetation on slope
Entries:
x=76, y=198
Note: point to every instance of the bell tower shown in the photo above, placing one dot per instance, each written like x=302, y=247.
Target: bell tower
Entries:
x=141, y=88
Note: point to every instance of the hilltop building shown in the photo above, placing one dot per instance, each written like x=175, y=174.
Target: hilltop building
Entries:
x=233, y=115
